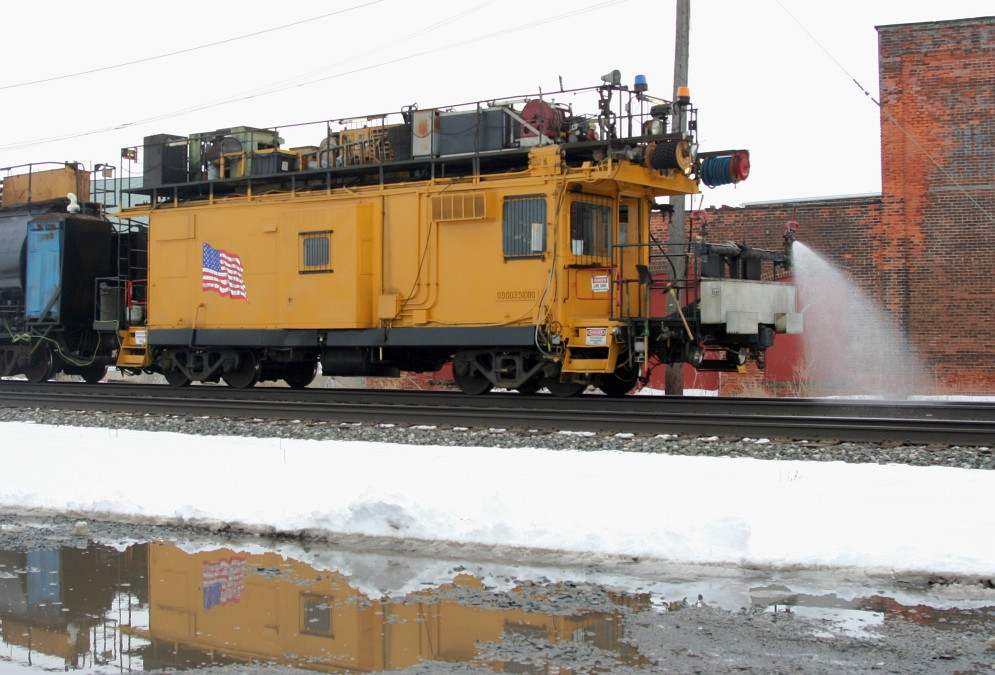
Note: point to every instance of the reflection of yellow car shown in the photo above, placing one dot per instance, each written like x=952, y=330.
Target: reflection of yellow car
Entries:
x=262, y=607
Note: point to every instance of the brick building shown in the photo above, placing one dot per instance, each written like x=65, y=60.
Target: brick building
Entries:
x=921, y=253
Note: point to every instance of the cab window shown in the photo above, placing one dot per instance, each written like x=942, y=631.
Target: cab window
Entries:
x=590, y=227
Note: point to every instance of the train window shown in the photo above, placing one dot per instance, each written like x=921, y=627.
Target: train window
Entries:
x=590, y=227
x=623, y=225
x=315, y=252
x=523, y=226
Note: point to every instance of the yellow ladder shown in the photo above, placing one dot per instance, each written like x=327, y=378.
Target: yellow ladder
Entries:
x=134, y=352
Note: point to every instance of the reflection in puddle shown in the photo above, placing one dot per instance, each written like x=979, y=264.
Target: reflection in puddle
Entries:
x=855, y=616
x=159, y=605
x=72, y=608
x=268, y=608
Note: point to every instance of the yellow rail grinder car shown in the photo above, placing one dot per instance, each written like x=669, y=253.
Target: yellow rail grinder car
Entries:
x=510, y=238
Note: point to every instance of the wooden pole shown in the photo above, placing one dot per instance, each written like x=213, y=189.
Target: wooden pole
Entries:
x=674, y=381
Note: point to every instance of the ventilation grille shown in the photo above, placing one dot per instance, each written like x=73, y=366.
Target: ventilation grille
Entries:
x=467, y=206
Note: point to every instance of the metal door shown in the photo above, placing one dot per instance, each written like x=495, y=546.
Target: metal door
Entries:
x=43, y=278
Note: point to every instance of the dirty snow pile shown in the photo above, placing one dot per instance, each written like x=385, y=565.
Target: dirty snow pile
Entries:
x=681, y=508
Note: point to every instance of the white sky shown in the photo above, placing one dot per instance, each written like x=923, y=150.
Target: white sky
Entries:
x=760, y=80
x=783, y=514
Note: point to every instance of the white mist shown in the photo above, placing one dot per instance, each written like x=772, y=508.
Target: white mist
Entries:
x=852, y=348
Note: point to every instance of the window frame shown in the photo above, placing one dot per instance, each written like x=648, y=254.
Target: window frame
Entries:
x=323, y=603
x=520, y=224
x=595, y=237
x=304, y=266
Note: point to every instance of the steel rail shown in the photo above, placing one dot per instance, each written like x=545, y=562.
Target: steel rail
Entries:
x=815, y=407
x=884, y=422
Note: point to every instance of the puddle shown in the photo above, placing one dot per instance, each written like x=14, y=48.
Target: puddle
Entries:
x=160, y=605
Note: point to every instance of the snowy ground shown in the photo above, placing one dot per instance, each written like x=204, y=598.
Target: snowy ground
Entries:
x=687, y=509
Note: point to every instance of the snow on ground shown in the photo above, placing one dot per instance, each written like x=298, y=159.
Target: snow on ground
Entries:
x=686, y=509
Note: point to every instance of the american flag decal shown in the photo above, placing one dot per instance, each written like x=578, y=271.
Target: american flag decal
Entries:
x=222, y=273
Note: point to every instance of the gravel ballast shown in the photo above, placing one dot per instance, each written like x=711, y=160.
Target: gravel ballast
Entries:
x=713, y=446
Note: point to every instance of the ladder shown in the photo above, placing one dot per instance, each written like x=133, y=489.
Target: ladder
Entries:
x=134, y=352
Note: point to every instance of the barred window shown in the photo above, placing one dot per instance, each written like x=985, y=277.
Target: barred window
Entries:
x=590, y=227
x=524, y=226
x=316, y=614
x=315, y=252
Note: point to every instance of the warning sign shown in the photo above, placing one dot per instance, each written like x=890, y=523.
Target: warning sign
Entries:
x=597, y=336
x=599, y=283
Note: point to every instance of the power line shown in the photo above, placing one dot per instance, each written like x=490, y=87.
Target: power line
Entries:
x=236, y=98
x=950, y=177
x=489, y=36
x=185, y=51
x=280, y=88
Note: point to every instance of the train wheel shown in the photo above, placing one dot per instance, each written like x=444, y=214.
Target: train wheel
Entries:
x=468, y=376
x=736, y=358
x=93, y=373
x=246, y=374
x=563, y=389
x=694, y=354
x=618, y=383
x=176, y=377
x=299, y=375
x=473, y=383
x=40, y=367
x=529, y=387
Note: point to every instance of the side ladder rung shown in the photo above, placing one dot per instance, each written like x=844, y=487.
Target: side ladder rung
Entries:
x=134, y=352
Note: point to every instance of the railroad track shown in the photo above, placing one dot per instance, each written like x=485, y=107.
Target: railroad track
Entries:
x=886, y=422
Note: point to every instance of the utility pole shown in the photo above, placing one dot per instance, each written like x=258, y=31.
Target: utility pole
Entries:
x=674, y=381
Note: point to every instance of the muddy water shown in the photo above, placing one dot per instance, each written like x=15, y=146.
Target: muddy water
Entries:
x=120, y=599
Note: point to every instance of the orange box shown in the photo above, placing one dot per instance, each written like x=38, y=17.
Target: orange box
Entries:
x=39, y=186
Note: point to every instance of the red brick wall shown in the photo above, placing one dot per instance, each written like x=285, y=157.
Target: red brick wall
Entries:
x=923, y=252
x=938, y=84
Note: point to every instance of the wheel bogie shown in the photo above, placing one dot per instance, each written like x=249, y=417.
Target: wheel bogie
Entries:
x=90, y=373
x=237, y=368
x=176, y=377
x=619, y=383
x=529, y=387
x=564, y=389
x=300, y=374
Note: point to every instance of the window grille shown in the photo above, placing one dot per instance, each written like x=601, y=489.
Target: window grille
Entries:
x=315, y=252
x=316, y=614
x=590, y=229
x=524, y=226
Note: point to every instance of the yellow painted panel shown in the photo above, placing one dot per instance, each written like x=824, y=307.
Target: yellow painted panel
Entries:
x=365, y=217
x=174, y=225
x=266, y=239
x=170, y=287
x=477, y=285
x=404, y=238
x=171, y=259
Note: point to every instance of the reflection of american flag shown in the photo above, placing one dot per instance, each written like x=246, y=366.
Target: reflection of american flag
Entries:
x=222, y=273
x=223, y=581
